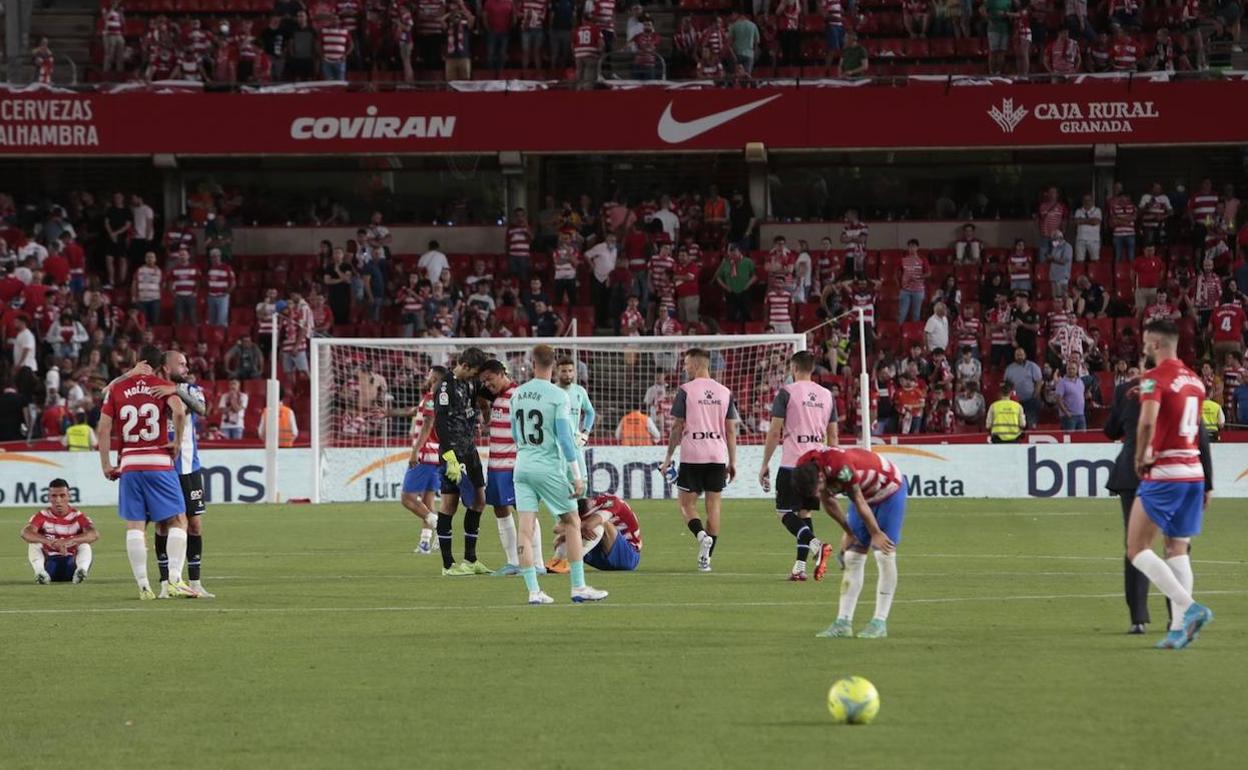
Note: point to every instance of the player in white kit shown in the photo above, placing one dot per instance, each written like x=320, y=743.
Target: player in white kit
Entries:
x=704, y=427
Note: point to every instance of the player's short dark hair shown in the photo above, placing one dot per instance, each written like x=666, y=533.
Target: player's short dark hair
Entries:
x=58, y=484
x=543, y=356
x=803, y=361
x=1164, y=327
x=806, y=479
x=699, y=353
x=152, y=356
x=473, y=358
x=565, y=361
x=1007, y=390
x=438, y=370
x=495, y=366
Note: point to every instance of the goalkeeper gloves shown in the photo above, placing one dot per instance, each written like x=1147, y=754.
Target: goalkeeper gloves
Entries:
x=453, y=469
x=582, y=438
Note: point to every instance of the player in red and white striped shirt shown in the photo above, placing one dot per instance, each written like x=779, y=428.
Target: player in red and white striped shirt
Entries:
x=59, y=539
x=183, y=279
x=500, y=487
x=877, y=493
x=1172, y=494
x=334, y=43
x=421, y=483
x=221, y=284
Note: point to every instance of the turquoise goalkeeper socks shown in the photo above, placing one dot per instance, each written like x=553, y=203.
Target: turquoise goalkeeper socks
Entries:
x=530, y=578
x=578, y=574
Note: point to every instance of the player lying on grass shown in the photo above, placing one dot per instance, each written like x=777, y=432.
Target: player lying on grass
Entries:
x=420, y=482
x=59, y=539
x=804, y=414
x=611, y=535
x=1171, y=496
x=541, y=424
x=877, y=495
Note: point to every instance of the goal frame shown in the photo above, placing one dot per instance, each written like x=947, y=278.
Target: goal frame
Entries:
x=453, y=344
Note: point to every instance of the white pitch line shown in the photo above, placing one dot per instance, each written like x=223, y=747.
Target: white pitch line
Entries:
x=213, y=607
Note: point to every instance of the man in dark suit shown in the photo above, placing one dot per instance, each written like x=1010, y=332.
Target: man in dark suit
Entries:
x=1123, y=417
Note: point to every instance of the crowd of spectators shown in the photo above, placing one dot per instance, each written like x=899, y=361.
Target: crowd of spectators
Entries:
x=725, y=42
x=1053, y=319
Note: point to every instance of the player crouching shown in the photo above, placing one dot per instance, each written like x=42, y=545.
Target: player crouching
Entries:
x=877, y=493
x=611, y=535
x=59, y=539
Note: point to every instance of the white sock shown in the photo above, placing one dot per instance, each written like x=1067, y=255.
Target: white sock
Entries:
x=1181, y=566
x=84, y=557
x=1160, y=574
x=34, y=554
x=431, y=523
x=538, y=561
x=507, y=536
x=799, y=566
x=426, y=534
x=851, y=584
x=136, y=552
x=886, y=583
x=176, y=548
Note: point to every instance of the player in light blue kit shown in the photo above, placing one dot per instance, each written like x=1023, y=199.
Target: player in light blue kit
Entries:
x=582, y=419
x=541, y=424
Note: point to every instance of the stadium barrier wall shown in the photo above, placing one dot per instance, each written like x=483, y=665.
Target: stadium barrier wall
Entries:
x=372, y=474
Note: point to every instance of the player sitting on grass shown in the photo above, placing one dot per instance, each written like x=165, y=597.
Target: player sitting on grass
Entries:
x=541, y=424
x=59, y=539
x=1171, y=496
x=611, y=535
x=877, y=494
x=804, y=413
x=420, y=482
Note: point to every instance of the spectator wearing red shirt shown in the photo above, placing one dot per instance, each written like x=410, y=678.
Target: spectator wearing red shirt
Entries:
x=532, y=20
x=688, y=292
x=915, y=270
x=221, y=284
x=1062, y=56
x=1146, y=274
x=1051, y=215
x=1226, y=326
x=1124, y=54
x=56, y=266
x=183, y=279
x=1100, y=56
x=77, y=259
x=778, y=302
x=587, y=50
x=203, y=364
x=499, y=19
x=915, y=18
x=1160, y=310
x=788, y=23
x=631, y=320
x=646, y=52
x=1122, y=215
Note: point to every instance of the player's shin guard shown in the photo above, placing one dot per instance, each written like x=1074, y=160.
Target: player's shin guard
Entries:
x=194, y=555
x=886, y=583
x=507, y=536
x=1163, y=577
x=84, y=557
x=161, y=543
x=695, y=526
x=1181, y=566
x=577, y=570
x=34, y=555
x=851, y=584
x=444, y=540
x=714, y=542
x=537, y=543
x=136, y=552
x=177, y=553
x=472, y=528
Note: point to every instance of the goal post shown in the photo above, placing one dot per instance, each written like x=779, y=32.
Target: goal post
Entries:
x=360, y=449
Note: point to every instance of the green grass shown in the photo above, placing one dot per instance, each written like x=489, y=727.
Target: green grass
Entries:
x=332, y=646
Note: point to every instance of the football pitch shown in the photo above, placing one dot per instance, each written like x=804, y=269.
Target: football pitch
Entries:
x=331, y=645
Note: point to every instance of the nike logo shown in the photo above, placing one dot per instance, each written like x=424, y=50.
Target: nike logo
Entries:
x=675, y=131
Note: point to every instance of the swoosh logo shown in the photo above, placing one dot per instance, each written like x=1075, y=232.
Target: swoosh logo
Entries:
x=675, y=131
x=13, y=457
x=906, y=450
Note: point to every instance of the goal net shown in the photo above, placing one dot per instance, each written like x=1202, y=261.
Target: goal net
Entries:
x=363, y=388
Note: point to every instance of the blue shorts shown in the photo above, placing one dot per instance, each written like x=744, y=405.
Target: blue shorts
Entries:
x=500, y=488
x=150, y=495
x=60, y=568
x=423, y=478
x=1176, y=507
x=889, y=514
x=623, y=557
x=834, y=37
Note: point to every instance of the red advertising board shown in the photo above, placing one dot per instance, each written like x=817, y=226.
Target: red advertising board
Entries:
x=918, y=115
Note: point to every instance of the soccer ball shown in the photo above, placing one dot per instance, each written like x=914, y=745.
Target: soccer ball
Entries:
x=854, y=701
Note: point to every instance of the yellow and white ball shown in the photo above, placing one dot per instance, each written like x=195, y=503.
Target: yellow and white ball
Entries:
x=853, y=700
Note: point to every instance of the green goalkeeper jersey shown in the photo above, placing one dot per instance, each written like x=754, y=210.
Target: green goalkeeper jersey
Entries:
x=541, y=423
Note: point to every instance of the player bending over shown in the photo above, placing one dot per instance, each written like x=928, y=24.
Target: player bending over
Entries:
x=541, y=424
x=59, y=539
x=149, y=483
x=190, y=477
x=611, y=536
x=456, y=416
x=583, y=416
x=705, y=429
x=804, y=413
x=1171, y=496
x=500, y=485
x=877, y=509
x=420, y=482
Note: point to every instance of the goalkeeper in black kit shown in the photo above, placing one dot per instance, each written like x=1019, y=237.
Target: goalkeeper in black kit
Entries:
x=457, y=417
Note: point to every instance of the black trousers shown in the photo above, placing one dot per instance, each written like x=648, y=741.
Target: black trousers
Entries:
x=1135, y=583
